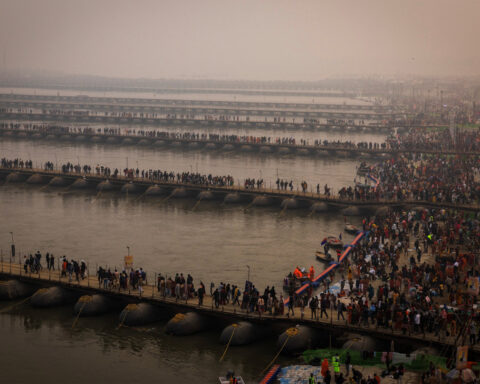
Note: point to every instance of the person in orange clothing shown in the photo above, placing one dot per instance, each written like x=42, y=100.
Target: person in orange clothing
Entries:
x=297, y=273
x=311, y=273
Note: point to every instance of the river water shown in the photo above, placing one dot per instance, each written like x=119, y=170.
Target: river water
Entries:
x=213, y=243
x=40, y=346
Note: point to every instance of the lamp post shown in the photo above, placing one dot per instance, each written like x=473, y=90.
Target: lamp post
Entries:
x=248, y=276
x=13, y=247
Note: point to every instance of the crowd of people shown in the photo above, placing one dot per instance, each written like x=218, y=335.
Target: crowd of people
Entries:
x=153, y=175
x=33, y=263
x=194, y=136
x=437, y=179
x=413, y=139
x=416, y=272
x=71, y=269
x=16, y=163
x=252, y=183
x=426, y=178
x=413, y=273
x=127, y=279
x=464, y=140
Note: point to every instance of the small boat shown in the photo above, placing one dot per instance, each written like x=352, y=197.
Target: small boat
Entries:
x=295, y=282
x=231, y=378
x=291, y=281
x=332, y=242
x=350, y=228
x=323, y=257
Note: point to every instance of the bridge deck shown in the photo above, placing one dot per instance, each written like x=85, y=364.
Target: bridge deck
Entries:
x=70, y=116
x=150, y=294
x=332, y=149
x=121, y=101
x=268, y=192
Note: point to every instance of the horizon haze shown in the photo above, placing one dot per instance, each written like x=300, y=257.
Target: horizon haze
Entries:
x=248, y=40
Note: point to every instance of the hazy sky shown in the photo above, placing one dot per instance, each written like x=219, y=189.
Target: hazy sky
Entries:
x=242, y=39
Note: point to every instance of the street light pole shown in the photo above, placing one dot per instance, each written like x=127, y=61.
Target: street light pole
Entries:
x=248, y=276
x=13, y=246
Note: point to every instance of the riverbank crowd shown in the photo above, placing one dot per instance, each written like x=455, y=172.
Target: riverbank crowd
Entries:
x=445, y=179
x=466, y=140
x=416, y=272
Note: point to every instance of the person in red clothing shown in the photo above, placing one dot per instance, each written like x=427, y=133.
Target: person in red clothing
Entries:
x=324, y=367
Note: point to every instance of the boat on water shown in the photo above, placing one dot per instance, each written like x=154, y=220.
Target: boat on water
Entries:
x=332, y=242
x=350, y=228
x=329, y=243
x=230, y=378
x=324, y=257
x=297, y=279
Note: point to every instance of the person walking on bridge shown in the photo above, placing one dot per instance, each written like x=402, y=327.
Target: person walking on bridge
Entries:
x=314, y=306
x=201, y=293
x=340, y=310
x=291, y=304
x=323, y=306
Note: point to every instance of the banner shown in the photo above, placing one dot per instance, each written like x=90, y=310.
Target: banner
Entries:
x=129, y=261
x=462, y=357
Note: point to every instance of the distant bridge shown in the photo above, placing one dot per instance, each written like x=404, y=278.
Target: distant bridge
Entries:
x=159, y=141
x=141, y=106
x=148, y=102
x=186, y=121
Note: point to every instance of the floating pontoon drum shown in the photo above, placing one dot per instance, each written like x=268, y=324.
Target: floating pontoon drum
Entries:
x=140, y=314
x=52, y=297
x=14, y=289
x=186, y=324
x=242, y=333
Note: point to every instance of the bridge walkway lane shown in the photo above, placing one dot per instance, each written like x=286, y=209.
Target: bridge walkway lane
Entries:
x=91, y=285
